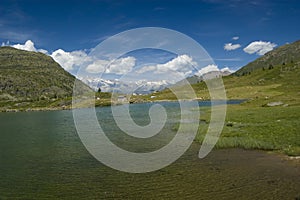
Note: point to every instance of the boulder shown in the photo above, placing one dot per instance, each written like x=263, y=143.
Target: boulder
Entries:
x=275, y=103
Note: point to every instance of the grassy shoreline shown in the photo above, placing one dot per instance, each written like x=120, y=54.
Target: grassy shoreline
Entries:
x=264, y=128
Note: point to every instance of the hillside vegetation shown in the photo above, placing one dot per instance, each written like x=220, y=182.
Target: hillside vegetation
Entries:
x=33, y=80
x=269, y=117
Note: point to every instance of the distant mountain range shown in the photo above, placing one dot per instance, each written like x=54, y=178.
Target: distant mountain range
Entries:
x=119, y=86
x=144, y=86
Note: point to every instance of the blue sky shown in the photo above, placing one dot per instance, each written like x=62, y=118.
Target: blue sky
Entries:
x=80, y=25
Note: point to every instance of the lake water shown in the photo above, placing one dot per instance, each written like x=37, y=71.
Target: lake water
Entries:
x=42, y=157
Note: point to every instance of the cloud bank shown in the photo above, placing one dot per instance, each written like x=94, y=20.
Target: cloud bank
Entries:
x=118, y=66
x=75, y=59
x=182, y=65
x=70, y=60
x=259, y=47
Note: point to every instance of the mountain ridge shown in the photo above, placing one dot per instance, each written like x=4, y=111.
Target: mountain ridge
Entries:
x=285, y=54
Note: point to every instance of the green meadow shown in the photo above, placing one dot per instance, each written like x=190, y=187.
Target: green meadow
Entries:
x=254, y=124
x=266, y=128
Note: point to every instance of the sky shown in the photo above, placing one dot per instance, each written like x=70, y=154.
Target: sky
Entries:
x=233, y=32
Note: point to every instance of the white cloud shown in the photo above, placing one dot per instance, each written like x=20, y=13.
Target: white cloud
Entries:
x=43, y=51
x=235, y=38
x=121, y=65
x=259, y=47
x=182, y=65
x=97, y=66
x=207, y=69
x=227, y=69
x=230, y=46
x=68, y=60
x=28, y=46
x=146, y=69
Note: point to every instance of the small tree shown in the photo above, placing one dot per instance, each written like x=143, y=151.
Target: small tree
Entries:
x=99, y=90
x=271, y=66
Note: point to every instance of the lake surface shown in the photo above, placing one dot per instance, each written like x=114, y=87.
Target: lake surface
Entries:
x=42, y=157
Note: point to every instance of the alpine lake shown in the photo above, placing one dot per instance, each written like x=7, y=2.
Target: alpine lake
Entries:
x=42, y=157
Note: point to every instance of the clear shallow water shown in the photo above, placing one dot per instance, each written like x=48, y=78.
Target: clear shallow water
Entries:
x=41, y=157
x=140, y=115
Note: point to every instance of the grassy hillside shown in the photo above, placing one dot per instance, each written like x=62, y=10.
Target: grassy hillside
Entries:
x=283, y=55
x=275, y=84
x=255, y=124
x=30, y=80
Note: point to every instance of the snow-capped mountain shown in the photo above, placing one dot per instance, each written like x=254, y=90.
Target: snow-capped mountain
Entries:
x=144, y=86
x=116, y=85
